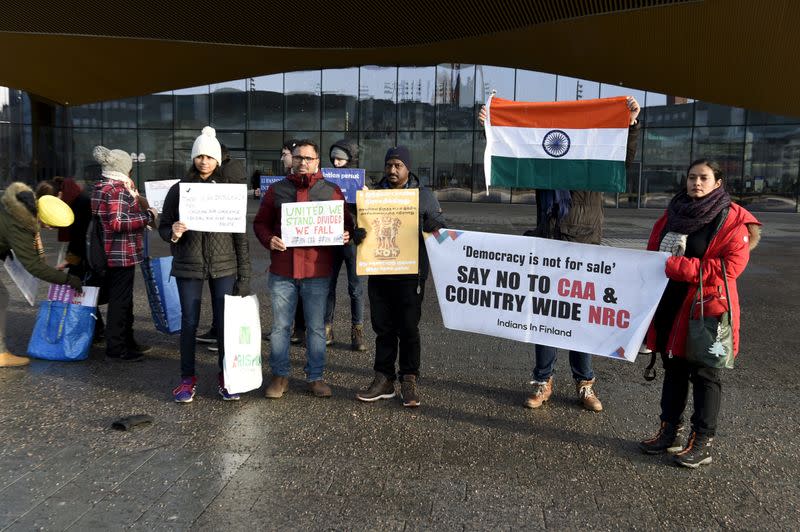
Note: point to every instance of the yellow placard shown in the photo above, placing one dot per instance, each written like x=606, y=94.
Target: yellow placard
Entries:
x=391, y=219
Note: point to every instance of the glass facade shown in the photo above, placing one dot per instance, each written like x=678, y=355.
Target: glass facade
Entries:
x=431, y=109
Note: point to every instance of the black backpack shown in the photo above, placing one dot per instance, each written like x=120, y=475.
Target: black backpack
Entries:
x=96, y=258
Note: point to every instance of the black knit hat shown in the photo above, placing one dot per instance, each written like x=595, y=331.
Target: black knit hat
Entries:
x=401, y=153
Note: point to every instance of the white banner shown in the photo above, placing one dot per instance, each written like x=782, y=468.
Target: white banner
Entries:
x=214, y=207
x=242, y=364
x=156, y=192
x=587, y=298
x=312, y=223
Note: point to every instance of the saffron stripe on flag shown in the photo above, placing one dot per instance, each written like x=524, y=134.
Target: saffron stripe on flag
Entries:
x=559, y=174
x=597, y=113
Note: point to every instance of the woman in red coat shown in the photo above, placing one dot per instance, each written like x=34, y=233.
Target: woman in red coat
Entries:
x=700, y=226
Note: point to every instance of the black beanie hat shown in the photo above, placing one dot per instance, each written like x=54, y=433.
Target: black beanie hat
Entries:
x=401, y=153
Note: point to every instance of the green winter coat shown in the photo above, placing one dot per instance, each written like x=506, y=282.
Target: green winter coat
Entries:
x=19, y=228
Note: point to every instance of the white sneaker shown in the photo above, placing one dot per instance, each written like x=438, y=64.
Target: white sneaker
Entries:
x=644, y=350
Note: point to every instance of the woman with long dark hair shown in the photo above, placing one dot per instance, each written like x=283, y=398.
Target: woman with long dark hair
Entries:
x=705, y=232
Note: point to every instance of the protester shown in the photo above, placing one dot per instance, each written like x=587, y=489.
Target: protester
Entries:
x=396, y=300
x=571, y=216
x=344, y=154
x=124, y=215
x=71, y=193
x=232, y=171
x=221, y=258
x=20, y=217
x=298, y=272
x=702, y=229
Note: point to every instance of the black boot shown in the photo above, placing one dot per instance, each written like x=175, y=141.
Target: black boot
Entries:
x=666, y=439
x=697, y=451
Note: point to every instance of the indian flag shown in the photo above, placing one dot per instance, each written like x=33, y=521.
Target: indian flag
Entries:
x=578, y=145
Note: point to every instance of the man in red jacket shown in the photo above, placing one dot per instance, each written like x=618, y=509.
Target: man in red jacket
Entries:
x=302, y=272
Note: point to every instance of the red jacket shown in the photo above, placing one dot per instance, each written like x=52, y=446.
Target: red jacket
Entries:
x=738, y=235
x=296, y=262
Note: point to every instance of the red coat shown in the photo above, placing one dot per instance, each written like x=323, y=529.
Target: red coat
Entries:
x=732, y=243
x=296, y=262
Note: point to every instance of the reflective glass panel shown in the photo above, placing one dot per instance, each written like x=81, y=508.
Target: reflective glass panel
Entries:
x=121, y=113
x=191, y=108
x=302, y=100
x=156, y=110
x=666, y=154
x=229, y=104
x=666, y=111
x=455, y=96
x=156, y=145
x=378, y=98
x=453, y=166
x=771, y=156
x=535, y=86
x=340, y=99
x=416, y=94
x=724, y=145
x=266, y=102
x=712, y=114
x=373, y=146
x=568, y=89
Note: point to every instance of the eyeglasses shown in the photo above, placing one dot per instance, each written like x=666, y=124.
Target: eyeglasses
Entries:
x=301, y=159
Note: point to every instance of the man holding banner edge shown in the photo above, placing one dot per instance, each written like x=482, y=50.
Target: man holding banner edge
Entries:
x=573, y=216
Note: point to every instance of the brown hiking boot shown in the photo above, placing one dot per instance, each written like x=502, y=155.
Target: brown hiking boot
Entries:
x=7, y=360
x=277, y=386
x=319, y=388
x=540, y=394
x=408, y=391
x=587, y=396
x=357, y=338
x=328, y=333
x=380, y=388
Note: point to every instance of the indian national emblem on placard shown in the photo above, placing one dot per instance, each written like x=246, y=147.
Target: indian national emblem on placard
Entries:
x=386, y=229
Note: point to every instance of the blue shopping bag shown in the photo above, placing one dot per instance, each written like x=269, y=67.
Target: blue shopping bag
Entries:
x=63, y=331
x=162, y=292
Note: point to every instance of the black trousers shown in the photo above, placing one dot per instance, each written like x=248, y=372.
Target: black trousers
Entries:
x=119, y=319
x=706, y=392
x=395, y=311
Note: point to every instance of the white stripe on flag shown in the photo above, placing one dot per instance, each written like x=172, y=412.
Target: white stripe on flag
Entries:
x=605, y=144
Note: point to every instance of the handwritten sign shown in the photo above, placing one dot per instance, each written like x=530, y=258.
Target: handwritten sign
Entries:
x=350, y=180
x=391, y=219
x=213, y=207
x=312, y=223
x=156, y=192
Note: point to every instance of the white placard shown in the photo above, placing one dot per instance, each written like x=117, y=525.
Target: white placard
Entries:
x=592, y=299
x=27, y=283
x=312, y=223
x=156, y=192
x=214, y=207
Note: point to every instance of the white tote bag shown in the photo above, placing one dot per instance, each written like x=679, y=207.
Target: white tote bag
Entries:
x=242, y=364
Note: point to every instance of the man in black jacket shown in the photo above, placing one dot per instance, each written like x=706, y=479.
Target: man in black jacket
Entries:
x=396, y=300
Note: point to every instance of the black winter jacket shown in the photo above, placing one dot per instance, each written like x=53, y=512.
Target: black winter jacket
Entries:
x=201, y=255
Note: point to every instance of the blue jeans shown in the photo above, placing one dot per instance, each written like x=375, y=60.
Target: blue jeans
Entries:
x=355, y=285
x=191, y=291
x=581, y=364
x=284, y=292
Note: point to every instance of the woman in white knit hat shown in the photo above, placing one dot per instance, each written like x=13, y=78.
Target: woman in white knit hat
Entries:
x=221, y=259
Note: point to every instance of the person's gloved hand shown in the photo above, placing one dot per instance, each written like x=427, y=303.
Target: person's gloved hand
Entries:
x=430, y=225
x=358, y=235
x=75, y=283
x=241, y=287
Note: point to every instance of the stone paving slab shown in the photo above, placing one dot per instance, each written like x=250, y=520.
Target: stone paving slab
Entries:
x=471, y=458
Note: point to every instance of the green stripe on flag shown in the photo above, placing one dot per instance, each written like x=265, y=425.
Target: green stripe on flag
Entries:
x=568, y=174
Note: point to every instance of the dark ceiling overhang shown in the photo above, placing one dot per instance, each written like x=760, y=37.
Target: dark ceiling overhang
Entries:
x=735, y=52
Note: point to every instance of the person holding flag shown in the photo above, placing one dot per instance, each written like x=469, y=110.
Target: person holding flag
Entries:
x=561, y=214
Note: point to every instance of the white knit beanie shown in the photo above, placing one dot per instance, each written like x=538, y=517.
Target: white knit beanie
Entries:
x=207, y=144
x=113, y=161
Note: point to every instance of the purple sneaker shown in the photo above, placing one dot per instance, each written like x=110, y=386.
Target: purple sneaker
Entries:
x=184, y=393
